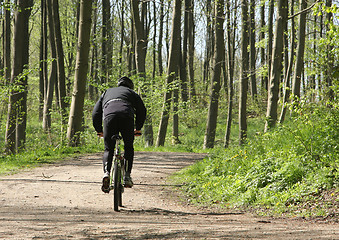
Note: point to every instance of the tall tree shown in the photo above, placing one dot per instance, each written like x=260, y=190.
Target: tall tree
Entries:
x=92, y=89
x=192, y=92
x=183, y=64
x=172, y=72
x=50, y=85
x=299, y=63
x=209, y=43
x=330, y=64
x=60, y=59
x=17, y=107
x=262, y=49
x=76, y=112
x=244, y=74
x=140, y=59
x=276, y=68
x=254, y=91
x=43, y=58
x=7, y=41
x=270, y=40
x=106, y=61
x=230, y=50
x=288, y=71
x=160, y=38
x=219, y=56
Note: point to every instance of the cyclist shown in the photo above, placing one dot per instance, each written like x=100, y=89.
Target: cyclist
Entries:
x=117, y=107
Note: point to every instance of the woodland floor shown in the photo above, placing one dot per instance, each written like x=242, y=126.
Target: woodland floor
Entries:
x=64, y=201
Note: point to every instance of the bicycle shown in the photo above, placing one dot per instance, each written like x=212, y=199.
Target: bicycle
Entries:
x=117, y=174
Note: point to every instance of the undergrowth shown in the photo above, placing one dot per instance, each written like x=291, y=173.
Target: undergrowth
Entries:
x=276, y=172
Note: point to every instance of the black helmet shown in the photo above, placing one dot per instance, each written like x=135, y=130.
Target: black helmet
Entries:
x=125, y=81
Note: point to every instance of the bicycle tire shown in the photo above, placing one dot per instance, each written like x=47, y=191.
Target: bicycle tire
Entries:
x=116, y=185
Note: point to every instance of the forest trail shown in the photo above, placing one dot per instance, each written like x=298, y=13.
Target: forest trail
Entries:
x=64, y=201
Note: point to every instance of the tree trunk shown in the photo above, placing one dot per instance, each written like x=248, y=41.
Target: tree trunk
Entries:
x=122, y=36
x=219, y=54
x=60, y=59
x=276, y=68
x=172, y=72
x=92, y=89
x=50, y=86
x=192, y=92
x=7, y=49
x=330, y=57
x=230, y=63
x=17, y=107
x=7, y=44
x=183, y=65
x=254, y=91
x=244, y=74
x=161, y=27
x=270, y=41
x=289, y=69
x=154, y=41
x=262, y=49
x=106, y=61
x=300, y=54
x=209, y=44
x=140, y=58
x=76, y=112
x=43, y=59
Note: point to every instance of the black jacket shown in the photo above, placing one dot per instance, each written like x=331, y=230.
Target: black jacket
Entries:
x=119, y=100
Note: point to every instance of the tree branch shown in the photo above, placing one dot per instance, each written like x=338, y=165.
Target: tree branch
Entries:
x=304, y=10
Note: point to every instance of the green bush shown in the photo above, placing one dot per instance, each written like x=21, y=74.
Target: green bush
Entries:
x=276, y=169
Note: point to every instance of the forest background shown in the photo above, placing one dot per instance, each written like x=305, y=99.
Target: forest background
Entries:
x=253, y=83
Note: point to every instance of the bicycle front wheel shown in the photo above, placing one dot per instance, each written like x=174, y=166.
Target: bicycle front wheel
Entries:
x=116, y=185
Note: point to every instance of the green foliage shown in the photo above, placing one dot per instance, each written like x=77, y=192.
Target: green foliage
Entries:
x=276, y=170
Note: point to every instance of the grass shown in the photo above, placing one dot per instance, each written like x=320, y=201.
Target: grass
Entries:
x=280, y=172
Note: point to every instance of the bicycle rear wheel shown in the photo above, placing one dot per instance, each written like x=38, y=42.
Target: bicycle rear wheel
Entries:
x=117, y=190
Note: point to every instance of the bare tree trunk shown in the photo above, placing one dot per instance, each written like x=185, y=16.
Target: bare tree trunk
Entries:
x=289, y=69
x=154, y=40
x=122, y=33
x=93, y=90
x=76, y=112
x=192, y=92
x=270, y=41
x=230, y=63
x=183, y=65
x=262, y=49
x=330, y=64
x=140, y=58
x=17, y=107
x=46, y=122
x=209, y=45
x=106, y=61
x=7, y=43
x=276, y=68
x=60, y=60
x=43, y=59
x=219, y=54
x=254, y=91
x=6, y=49
x=300, y=54
x=244, y=74
x=161, y=27
x=172, y=72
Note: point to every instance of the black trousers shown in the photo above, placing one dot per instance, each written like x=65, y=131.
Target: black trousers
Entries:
x=114, y=124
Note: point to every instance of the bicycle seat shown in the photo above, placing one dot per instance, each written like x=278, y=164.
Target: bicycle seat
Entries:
x=116, y=137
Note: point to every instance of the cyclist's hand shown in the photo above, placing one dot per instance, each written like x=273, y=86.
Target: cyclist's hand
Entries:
x=137, y=132
x=100, y=134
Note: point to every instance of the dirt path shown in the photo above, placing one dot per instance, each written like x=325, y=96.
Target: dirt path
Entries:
x=64, y=201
